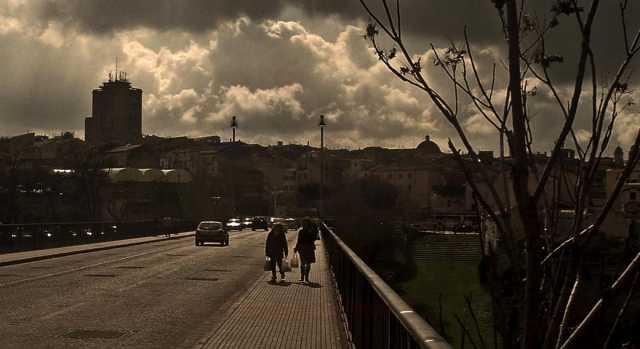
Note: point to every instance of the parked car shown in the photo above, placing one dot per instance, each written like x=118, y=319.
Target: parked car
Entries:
x=211, y=231
x=259, y=223
x=234, y=224
x=292, y=223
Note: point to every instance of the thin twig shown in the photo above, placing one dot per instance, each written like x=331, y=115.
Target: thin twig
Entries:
x=475, y=321
x=629, y=271
x=621, y=312
x=465, y=331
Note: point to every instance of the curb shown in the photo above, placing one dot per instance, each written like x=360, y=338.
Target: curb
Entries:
x=95, y=249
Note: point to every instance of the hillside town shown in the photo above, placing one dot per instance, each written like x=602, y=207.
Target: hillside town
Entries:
x=495, y=237
x=119, y=174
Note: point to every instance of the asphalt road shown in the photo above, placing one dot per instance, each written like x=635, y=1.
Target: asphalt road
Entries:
x=166, y=294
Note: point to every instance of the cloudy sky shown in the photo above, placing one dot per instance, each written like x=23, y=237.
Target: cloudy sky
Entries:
x=275, y=64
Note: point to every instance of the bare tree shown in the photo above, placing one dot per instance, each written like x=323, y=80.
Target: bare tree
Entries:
x=551, y=268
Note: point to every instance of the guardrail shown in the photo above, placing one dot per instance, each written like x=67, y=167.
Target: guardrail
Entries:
x=376, y=315
x=32, y=236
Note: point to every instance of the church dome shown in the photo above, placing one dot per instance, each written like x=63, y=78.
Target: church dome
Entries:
x=428, y=146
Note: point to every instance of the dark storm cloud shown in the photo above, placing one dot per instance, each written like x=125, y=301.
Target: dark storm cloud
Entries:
x=199, y=63
x=424, y=21
x=106, y=16
x=435, y=17
x=43, y=88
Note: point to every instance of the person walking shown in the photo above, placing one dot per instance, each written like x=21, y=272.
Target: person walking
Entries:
x=306, y=248
x=276, y=249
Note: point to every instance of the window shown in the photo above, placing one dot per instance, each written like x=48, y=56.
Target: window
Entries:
x=632, y=196
x=210, y=225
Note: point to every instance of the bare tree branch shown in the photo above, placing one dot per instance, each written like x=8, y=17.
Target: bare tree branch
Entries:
x=577, y=92
x=620, y=282
x=622, y=310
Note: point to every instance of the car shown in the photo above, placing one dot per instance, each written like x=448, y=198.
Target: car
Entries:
x=234, y=224
x=211, y=231
x=259, y=223
x=275, y=220
x=87, y=232
x=247, y=222
x=291, y=223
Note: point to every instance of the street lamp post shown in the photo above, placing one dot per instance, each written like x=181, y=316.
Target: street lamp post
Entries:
x=322, y=125
x=234, y=125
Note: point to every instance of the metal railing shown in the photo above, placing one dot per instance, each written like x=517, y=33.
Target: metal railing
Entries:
x=376, y=315
x=31, y=236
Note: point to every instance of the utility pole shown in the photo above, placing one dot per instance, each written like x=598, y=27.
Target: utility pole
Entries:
x=234, y=125
x=322, y=125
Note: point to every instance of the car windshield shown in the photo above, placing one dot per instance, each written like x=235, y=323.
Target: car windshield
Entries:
x=210, y=225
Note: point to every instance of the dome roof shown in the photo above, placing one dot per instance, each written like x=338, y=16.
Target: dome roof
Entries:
x=428, y=147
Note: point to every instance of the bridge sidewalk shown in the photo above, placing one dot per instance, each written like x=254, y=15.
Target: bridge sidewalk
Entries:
x=35, y=255
x=284, y=315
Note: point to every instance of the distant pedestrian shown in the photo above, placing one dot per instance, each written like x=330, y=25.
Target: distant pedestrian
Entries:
x=276, y=249
x=306, y=248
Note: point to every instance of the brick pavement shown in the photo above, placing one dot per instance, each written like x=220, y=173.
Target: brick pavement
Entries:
x=285, y=315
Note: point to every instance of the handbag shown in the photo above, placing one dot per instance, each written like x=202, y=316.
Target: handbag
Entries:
x=285, y=266
x=267, y=264
x=295, y=262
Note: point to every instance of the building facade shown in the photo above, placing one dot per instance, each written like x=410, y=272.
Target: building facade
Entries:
x=116, y=115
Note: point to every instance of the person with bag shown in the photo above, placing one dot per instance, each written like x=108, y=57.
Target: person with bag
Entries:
x=276, y=249
x=306, y=248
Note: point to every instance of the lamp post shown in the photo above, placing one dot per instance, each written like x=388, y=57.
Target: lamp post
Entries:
x=322, y=124
x=215, y=200
x=274, y=195
x=234, y=125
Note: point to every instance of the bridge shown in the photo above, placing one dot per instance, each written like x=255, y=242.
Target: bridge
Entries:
x=159, y=292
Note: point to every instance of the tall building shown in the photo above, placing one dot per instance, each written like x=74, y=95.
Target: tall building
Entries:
x=116, y=115
x=618, y=157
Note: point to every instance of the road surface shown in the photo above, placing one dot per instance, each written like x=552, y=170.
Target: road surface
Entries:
x=166, y=294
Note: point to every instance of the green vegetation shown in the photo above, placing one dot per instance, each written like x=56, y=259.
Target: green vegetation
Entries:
x=445, y=284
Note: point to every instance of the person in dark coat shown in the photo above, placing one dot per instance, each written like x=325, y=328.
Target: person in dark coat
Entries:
x=276, y=249
x=306, y=248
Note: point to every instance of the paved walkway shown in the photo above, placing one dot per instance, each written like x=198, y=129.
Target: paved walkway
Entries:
x=284, y=315
x=30, y=256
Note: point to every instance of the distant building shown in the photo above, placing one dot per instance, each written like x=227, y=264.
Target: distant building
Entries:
x=116, y=113
x=618, y=157
x=428, y=146
x=132, y=155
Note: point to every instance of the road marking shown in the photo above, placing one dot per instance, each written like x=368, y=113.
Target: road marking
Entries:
x=62, y=311
x=246, y=236
x=45, y=276
x=69, y=271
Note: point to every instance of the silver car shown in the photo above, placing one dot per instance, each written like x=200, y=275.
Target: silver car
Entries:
x=211, y=231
